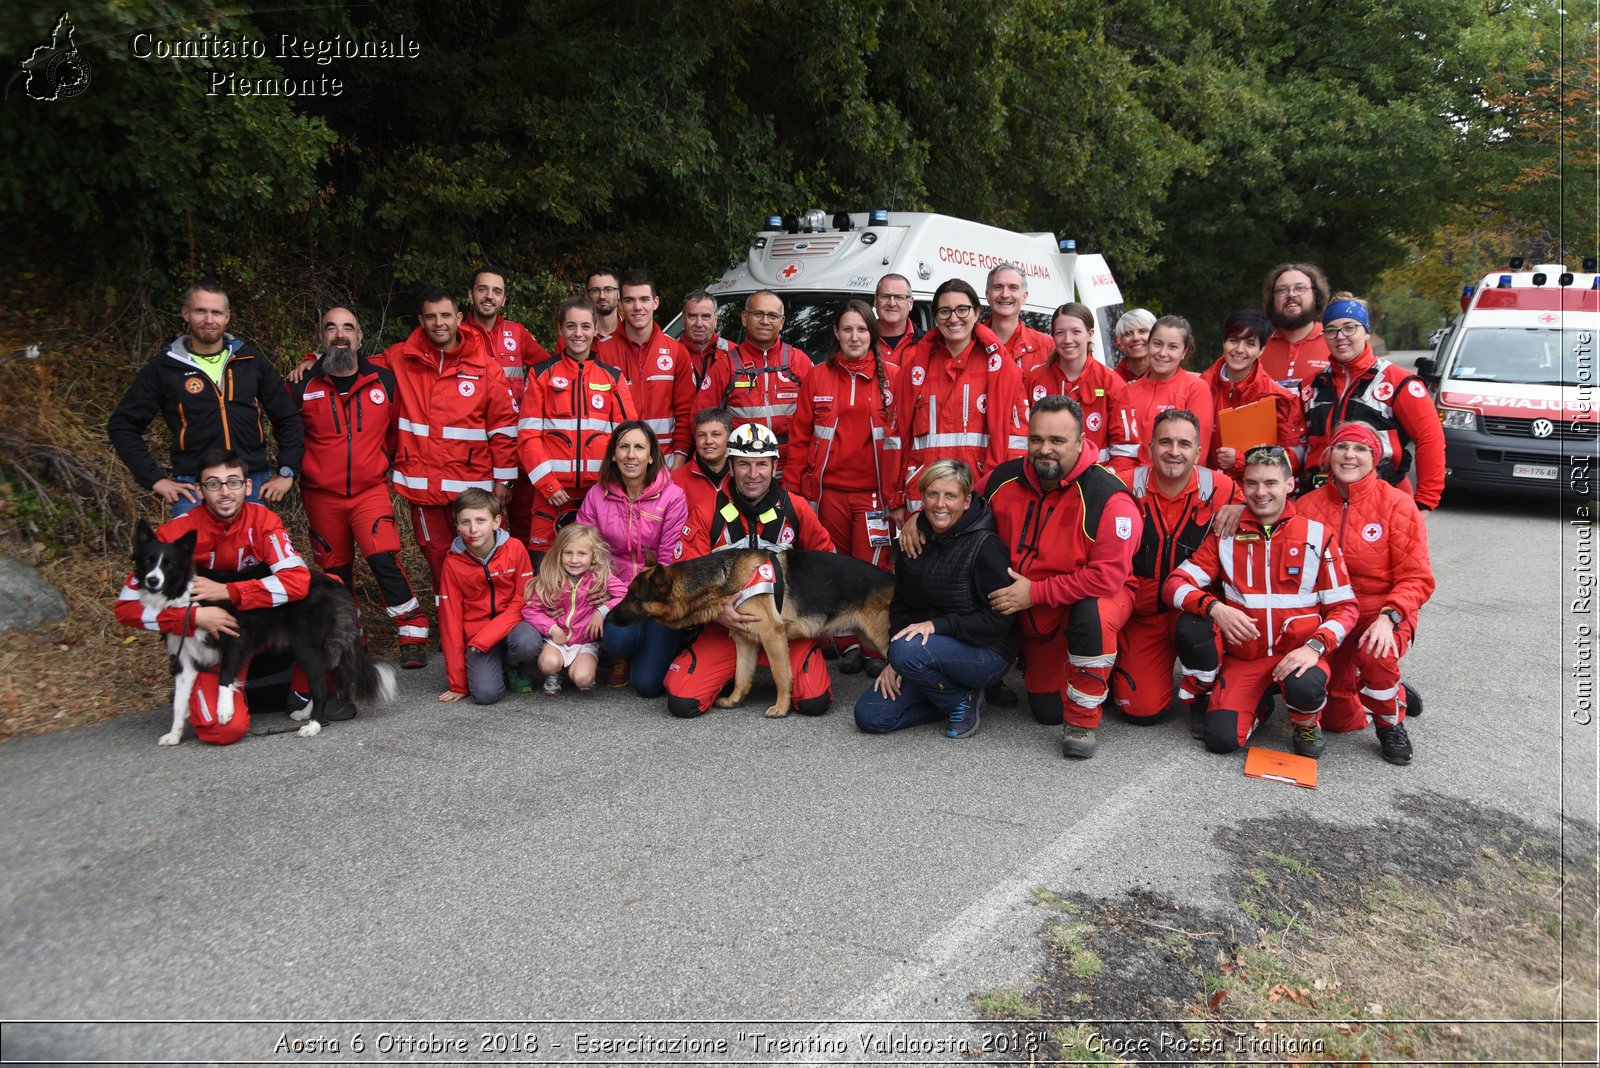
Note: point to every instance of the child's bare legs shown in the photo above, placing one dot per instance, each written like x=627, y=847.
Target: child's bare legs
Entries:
x=550, y=660
x=582, y=671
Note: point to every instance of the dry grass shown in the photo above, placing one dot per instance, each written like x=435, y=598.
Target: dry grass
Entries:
x=1395, y=972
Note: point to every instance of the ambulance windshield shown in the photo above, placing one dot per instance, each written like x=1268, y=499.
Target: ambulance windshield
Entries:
x=1527, y=357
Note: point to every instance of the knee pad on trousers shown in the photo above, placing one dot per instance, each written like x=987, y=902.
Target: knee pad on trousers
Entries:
x=346, y=575
x=1306, y=692
x=1146, y=721
x=1046, y=708
x=814, y=706
x=1196, y=642
x=683, y=707
x=1222, y=731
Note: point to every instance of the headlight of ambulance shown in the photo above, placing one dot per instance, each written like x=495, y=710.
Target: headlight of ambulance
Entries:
x=1458, y=419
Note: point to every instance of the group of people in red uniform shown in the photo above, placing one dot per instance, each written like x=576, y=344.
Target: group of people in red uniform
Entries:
x=1140, y=533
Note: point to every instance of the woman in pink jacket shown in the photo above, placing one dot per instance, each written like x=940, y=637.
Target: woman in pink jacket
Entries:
x=642, y=515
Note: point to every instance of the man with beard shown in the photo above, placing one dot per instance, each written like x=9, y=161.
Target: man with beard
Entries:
x=604, y=290
x=214, y=391
x=352, y=426
x=1072, y=529
x=1294, y=298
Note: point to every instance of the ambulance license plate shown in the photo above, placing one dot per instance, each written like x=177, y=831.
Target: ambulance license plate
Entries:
x=1535, y=471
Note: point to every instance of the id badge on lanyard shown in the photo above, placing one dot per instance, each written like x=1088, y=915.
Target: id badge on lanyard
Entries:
x=877, y=522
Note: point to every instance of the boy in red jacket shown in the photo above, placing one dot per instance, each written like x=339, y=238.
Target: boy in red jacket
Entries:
x=482, y=587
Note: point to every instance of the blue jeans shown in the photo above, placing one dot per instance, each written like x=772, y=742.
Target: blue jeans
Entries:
x=934, y=678
x=649, y=647
x=258, y=479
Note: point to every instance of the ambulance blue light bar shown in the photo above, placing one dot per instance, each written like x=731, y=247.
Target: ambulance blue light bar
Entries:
x=878, y=217
x=1504, y=283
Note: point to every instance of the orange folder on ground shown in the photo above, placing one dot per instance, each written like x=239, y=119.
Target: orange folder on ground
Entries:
x=1249, y=425
x=1270, y=764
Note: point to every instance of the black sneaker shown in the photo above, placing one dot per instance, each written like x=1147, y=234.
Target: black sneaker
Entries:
x=1413, y=701
x=1077, y=742
x=874, y=667
x=1396, y=744
x=413, y=657
x=1308, y=740
x=1197, y=716
x=1002, y=696
x=963, y=722
x=851, y=661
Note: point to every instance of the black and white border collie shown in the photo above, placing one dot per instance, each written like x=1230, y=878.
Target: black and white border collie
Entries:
x=321, y=628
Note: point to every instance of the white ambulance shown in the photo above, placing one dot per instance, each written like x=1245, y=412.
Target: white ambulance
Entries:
x=816, y=262
x=1518, y=385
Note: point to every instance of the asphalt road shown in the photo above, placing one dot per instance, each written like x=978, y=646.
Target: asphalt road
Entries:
x=589, y=861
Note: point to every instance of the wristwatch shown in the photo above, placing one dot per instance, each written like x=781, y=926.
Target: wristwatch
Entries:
x=1316, y=646
x=285, y=471
x=1392, y=615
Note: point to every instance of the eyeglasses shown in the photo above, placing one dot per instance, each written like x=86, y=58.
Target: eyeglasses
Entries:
x=894, y=298
x=959, y=311
x=602, y=290
x=766, y=316
x=212, y=485
x=1347, y=330
x=1284, y=291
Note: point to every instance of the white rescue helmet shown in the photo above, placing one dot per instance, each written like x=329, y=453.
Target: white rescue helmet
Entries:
x=754, y=441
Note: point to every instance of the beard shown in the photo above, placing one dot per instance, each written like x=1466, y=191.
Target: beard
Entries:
x=1284, y=321
x=339, y=362
x=1046, y=467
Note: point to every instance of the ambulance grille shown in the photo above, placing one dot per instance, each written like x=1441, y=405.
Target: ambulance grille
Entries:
x=806, y=245
x=1565, y=429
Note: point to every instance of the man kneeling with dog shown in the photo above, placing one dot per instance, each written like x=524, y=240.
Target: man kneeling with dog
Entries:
x=751, y=511
x=231, y=534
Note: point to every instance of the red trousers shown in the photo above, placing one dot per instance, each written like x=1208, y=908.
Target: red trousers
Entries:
x=434, y=528
x=1362, y=686
x=340, y=525
x=1067, y=672
x=1141, y=688
x=1241, y=683
x=699, y=673
x=844, y=517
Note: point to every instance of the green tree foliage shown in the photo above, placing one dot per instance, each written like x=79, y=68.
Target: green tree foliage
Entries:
x=1194, y=143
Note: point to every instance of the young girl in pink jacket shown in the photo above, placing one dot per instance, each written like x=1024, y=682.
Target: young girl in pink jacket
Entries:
x=558, y=605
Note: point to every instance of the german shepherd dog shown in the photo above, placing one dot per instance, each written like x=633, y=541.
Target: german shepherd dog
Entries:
x=814, y=594
x=321, y=628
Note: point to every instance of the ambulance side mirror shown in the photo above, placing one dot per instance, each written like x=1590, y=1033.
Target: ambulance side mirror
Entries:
x=1427, y=369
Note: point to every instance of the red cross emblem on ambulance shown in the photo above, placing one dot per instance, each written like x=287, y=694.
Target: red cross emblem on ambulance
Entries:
x=1548, y=319
x=790, y=271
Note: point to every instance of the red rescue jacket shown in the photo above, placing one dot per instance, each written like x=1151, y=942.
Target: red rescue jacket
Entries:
x=1027, y=346
x=660, y=377
x=843, y=434
x=1143, y=400
x=1257, y=385
x=351, y=437
x=969, y=407
x=1384, y=541
x=1075, y=541
x=1290, y=579
x=568, y=414
x=458, y=427
x=255, y=536
x=515, y=350
x=759, y=386
x=1393, y=401
x=480, y=601
x=1174, y=527
x=1098, y=390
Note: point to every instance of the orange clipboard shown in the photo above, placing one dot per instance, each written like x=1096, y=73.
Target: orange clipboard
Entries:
x=1249, y=425
x=1274, y=766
